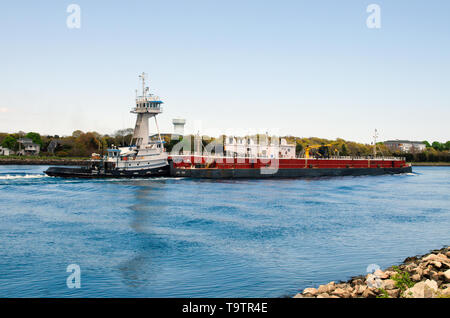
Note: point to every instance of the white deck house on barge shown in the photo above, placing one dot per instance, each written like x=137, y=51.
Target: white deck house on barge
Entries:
x=249, y=147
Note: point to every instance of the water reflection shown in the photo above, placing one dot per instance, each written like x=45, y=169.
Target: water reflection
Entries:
x=149, y=202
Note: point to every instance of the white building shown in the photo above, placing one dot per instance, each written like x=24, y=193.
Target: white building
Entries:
x=249, y=147
x=28, y=148
x=405, y=145
x=4, y=151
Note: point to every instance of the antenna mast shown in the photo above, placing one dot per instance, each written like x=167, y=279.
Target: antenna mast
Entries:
x=142, y=77
x=375, y=137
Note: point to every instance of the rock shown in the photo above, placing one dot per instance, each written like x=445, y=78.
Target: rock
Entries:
x=298, y=296
x=434, y=275
x=390, y=273
x=360, y=289
x=357, y=281
x=447, y=275
x=348, y=288
x=436, y=264
x=416, y=277
x=369, y=293
x=410, y=260
x=311, y=291
x=331, y=287
x=322, y=289
x=436, y=258
x=380, y=274
x=426, y=272
x=394, y=293
x=339, y=292
x=419, y=271
x=410, y=267
x=388, y=284
x=323, y=295
x=447, y=254
x=426, y=289
x=430, y=257
x=334, y=296
x=444, y=292
x=326, y=288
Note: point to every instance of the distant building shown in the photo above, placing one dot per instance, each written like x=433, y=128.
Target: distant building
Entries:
x=405, y=145
x=52, y=146
x=4, y=151
x=28, y=148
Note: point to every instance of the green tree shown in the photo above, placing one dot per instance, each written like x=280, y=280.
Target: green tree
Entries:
x=9, y=142
x=77, y=133
x=298, y=149
x=447, y=145
x=344, y=150
x=437, y=145
x=35, y=137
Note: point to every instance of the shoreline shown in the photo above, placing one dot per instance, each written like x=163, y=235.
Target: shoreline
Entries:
x=38, y=161
x=83, y=162
x=424, y=276
x=430, y=164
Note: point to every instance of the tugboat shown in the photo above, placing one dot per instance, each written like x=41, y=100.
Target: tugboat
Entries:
x=144, y=158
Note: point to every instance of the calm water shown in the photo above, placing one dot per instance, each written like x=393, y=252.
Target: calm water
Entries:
x=188, y=238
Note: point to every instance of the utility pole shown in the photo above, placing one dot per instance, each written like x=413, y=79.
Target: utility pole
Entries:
x=375, y=137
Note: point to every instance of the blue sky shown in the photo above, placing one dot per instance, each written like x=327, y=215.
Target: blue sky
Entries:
x=306, y=68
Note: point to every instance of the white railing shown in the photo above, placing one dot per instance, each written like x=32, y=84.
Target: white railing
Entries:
x=147, y=109
x=187, y=153
x=149, y=98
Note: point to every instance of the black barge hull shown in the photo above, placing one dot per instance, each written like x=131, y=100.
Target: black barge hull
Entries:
x=213, y=173
x=282, y=173
x=89, y=173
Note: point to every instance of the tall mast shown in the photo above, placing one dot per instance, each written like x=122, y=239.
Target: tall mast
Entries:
x=142, y=77
x=375, y=137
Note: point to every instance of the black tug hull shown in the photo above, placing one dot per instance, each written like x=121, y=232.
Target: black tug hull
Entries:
x=89, y=173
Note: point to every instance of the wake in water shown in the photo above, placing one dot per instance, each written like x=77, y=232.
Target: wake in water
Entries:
x=22, y=176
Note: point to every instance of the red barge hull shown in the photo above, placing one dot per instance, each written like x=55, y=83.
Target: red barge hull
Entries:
x=227, y=168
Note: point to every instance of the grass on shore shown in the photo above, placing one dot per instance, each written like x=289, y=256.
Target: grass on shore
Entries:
x=15, y=157
x=430, y=163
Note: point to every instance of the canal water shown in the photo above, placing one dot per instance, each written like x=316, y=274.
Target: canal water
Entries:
x=199, y=238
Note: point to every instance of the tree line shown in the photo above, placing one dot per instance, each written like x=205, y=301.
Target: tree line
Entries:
x=83, y=144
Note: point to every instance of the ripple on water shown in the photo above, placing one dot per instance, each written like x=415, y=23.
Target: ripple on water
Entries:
x=181, y=237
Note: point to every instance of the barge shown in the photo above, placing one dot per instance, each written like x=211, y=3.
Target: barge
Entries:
x=225, y=167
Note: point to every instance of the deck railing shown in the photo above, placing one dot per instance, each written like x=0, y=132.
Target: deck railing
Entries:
x=214, y=155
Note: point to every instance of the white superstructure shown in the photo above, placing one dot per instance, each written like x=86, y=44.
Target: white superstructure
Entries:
x=142, y=154
x=250, y=147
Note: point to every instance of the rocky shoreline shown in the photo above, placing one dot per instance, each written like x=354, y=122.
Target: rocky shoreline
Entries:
x=50, y=162
x=426, y=276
